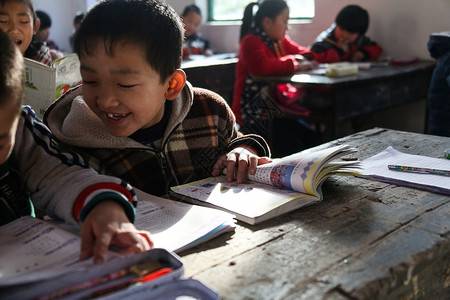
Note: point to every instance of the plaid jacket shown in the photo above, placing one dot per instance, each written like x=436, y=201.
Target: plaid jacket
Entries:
x=201, y=128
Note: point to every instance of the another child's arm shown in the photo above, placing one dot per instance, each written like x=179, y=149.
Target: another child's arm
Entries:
x=63, y=185
x=107, y=223
x=370, y=49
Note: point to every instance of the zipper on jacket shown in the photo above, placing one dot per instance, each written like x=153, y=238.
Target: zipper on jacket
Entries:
x=162, y=160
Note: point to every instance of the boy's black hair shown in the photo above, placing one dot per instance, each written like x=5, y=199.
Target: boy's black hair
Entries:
x=12, y=79
x=267, y=9
x=45, y=19
x=354, y=19
x=149, y=24
x=78, y=17
x=193, y=8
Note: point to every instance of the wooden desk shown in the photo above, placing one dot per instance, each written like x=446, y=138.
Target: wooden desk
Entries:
x=354, y=98
x=215, y=73
x=365, y=240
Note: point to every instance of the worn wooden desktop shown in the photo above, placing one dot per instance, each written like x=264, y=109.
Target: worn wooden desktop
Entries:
x=215, y=73
x=365, y=240
x=336, y=100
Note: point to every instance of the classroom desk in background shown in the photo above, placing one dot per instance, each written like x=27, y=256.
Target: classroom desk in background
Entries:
x=215, y=73
x=337, y=100
x=365, y=240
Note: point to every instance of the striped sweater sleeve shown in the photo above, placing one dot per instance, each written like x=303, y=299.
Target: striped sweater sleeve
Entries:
x=62, y=183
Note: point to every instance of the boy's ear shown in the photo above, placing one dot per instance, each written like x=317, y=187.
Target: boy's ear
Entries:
x=176, y=84
x=36, y=26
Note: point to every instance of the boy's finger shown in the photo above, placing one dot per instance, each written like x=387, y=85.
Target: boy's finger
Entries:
x=87, y=244
x=253, y=162
x=231, y=165
x=147, y=237
x=101, y=246
x=242, y=170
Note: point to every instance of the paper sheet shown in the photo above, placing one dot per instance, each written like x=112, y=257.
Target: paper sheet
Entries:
x=376, y=167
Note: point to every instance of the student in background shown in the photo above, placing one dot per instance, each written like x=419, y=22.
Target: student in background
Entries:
x=266, y=49
x=76, y=25
x=438, y=101
x=194, y=43
x=19, y=21
x=44, y=29
x=34, y=172
x=135, y=116
x=345, y=40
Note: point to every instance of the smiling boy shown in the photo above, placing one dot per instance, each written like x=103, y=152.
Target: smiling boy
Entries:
x=35, y=173
x=135, y=115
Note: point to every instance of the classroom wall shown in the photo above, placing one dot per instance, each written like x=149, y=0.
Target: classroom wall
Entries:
x=61, y=13
x=401, y=27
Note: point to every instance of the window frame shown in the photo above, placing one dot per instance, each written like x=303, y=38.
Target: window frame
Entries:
x=210, y=13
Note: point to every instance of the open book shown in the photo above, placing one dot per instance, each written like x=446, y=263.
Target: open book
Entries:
x=281, y=186
x=45, y=84
x=33, y=249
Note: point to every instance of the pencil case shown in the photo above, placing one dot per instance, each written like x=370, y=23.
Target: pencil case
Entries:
x=341, y=69
x=115, y=280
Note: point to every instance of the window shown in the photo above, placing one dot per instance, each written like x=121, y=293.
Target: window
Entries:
x=232, y=10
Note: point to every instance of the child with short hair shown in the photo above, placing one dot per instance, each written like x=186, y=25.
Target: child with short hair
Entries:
x=18, y=19
x=345, y=40
x=135, y=116
x=194, y=43
x=34, y=172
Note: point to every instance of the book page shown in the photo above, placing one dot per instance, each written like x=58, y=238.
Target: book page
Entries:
x=299, y=171
x=39, y=86
x=34, y=249
x=249, y=199
x=174, y=225
x=67, y=74
x=376, y=167
x=29, y=245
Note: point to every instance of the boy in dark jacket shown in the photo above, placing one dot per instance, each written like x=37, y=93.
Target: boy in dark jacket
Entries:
x=345, y=40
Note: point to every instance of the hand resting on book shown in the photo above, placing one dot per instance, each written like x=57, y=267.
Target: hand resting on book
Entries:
x=108, y=224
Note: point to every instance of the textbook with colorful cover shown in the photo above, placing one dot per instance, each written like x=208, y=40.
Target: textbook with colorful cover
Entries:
x=44, y=84
x=279, y=187
x=33, y=249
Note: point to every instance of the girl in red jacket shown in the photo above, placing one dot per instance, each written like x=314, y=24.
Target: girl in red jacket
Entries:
x=265, y=49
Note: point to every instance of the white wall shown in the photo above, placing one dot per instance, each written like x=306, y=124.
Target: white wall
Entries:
x=401, y=27
x=61, y=13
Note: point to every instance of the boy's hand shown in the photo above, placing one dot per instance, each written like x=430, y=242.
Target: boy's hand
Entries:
x=107, y=224
x=357, y=56
x=244, y=159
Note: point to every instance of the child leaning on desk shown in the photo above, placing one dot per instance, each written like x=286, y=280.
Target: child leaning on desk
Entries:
x=33, y=171
x=194, y=43
x=345, y=40
x=265, y=49
x=135, y=116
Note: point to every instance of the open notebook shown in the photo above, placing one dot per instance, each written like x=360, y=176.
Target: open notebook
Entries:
x=376, y=168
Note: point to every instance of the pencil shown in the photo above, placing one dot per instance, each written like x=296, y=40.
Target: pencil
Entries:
x=419, y=170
